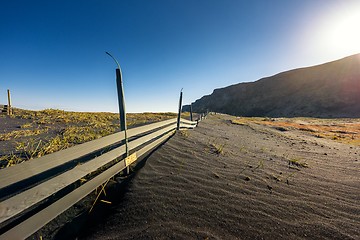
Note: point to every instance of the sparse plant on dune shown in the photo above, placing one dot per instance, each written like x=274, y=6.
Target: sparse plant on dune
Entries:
x=184, y=133
x=297, y=162
x=30, y=149
x=9, y=160
x=239, y=121
x=26, y=125
x=263, y=149
x=260, y=164
x=217, y=148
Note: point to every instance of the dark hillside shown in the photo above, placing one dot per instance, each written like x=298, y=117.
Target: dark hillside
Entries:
x=327, y=90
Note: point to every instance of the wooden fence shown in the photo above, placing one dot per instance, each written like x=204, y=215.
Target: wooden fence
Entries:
x=35, y=192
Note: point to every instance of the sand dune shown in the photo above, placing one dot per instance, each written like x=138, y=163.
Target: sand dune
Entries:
x=264, y=184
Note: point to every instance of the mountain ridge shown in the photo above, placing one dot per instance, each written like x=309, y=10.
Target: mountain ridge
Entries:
x=330, y=89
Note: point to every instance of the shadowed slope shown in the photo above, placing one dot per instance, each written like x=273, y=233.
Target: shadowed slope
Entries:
x=328, y=90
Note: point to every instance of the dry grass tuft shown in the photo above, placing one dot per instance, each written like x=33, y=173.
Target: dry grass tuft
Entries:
x=217, y=148
x=184, y=133
x=298, y=163
x=21, y=133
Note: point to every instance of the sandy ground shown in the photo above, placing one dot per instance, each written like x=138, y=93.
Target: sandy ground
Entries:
x=7, y=125
x=226, y=181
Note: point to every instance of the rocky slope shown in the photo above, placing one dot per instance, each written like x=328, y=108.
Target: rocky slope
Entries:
x=327, y=90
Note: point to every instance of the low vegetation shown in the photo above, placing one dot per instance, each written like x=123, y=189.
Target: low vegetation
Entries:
x=21, y=133
x=51, y=130
x=297, y=162
x=217, y=148
x=340, y=130
x=184, y=133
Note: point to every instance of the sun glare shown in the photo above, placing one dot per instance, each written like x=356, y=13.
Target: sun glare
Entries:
x=339, y=33
x=344, y=34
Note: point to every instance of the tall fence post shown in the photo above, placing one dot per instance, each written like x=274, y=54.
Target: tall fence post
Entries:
x=121, y=100
x=179, y=113
x=191, y=115
x=9, y=112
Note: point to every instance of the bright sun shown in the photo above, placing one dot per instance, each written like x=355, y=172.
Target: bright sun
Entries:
x=339, y=32
x=345, y=33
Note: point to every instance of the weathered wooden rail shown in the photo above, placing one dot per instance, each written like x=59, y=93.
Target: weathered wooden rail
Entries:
x=35, y=192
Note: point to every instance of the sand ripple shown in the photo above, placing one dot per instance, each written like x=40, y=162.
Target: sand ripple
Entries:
x=187, y=191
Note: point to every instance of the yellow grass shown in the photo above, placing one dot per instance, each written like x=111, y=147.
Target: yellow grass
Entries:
x=21, y=133
x=71, y=128
x=340, y=130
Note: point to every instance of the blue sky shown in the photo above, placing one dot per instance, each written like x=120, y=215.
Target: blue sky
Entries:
x=52, y=53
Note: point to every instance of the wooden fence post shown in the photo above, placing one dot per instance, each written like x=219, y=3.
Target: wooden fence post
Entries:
x=121, y=100
x=191, y=116
x=179, y=113
x=9, y=112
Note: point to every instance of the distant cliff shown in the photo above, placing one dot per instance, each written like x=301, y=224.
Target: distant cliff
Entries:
x=327, y=90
